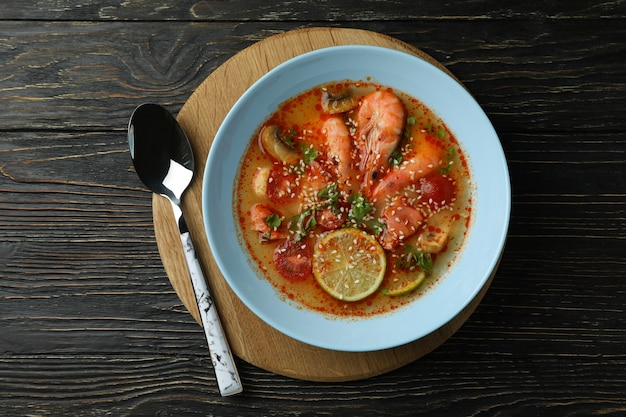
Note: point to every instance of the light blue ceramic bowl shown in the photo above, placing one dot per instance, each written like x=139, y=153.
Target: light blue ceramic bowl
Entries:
x=491, y=197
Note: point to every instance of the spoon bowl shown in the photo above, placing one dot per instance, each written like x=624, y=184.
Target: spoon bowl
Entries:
x=164, y=162
x=160, y=151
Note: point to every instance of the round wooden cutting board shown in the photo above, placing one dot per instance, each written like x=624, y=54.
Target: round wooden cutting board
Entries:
x=250, y=338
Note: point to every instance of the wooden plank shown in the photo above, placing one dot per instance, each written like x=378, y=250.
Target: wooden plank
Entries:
x=152, y=384
x=564, y=76
x=280, y=10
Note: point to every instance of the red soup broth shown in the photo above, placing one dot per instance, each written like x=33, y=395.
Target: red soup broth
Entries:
x=300, y=120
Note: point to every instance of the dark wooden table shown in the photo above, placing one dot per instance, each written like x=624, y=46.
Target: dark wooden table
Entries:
x=89, y=323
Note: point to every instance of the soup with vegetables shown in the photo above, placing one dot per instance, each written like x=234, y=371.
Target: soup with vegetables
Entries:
x=353, y=199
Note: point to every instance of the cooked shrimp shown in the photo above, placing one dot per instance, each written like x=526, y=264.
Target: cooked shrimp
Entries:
x=316, y=178
x=401, y=221
x=426, y=159
x=259, y=215
x=339, y=145
x=380, y=120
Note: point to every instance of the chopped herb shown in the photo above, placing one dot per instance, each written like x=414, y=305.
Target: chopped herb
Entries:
x=425, y=262
x=289, y=138
x=395, y=158
x=301, y=224
x=309, y=154
x=375, y=225
x=446, y=169
x=359, y=214
x=412, y=257
x=360, y=207
x=273, y=221
x=329, y=196
x=410, y=121
x=435, y=130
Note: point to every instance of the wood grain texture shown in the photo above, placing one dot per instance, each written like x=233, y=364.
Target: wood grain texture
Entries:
x=534, y=87
x=91, y=325
x=281, y=10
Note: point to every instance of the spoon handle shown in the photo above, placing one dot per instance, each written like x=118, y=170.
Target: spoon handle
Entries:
x=226, y=373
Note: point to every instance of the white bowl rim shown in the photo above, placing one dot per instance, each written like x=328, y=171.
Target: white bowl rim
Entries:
x=377, y=332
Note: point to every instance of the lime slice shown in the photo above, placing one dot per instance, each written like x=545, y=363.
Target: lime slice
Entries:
x=349, y=264
x=405, y=283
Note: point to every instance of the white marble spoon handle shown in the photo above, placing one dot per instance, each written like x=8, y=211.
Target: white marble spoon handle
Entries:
x=226, y=373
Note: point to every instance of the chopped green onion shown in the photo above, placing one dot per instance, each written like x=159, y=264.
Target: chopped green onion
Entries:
x=395, y=158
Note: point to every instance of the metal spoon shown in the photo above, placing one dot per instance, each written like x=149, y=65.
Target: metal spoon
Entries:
x=164, y=162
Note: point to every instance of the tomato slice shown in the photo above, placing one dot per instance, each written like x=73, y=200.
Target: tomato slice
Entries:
x=329, y=219
x=293, y=259
x=437, y=190
x=282, y=185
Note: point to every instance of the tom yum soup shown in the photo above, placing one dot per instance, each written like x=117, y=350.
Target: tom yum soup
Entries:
x=353, y=198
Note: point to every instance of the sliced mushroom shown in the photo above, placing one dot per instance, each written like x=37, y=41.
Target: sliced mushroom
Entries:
x=338, y=103
x=435, y=236
x=275, y=145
